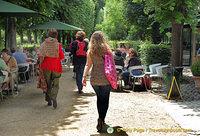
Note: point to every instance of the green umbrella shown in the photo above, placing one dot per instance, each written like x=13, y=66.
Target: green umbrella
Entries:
x=54, y=24
x=12, y=10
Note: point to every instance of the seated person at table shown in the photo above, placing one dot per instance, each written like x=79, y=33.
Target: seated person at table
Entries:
x=118, y=58
x=21, y=58
x=28, y=54
x=12, y=65
x=13, y=51
x=3, y=67
x=34, y=52
x=134, y=61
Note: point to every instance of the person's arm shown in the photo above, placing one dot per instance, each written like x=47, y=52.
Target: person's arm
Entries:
x=3, y=66
x=61, y=54
x=73, y=48
x=8, y=69
x=87, y=68
x=13, y=63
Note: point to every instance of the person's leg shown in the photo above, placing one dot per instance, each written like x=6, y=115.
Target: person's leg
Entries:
x=103, y=93
x=21, y=75
x=47, y=75
x=79, y=75
x=55, y=88
x=55, y=79
x=125, y=77
x=104, y=100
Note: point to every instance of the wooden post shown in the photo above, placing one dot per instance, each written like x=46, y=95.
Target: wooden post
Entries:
x=193, y=47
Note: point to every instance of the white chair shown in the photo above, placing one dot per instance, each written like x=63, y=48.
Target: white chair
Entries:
x=5, y=79
x=14, y=81
x=142, y=68
x=24, y=72
x=159, y=73
x=119, y=69
x=152, y=68
x=66, y=61
x=1, y=82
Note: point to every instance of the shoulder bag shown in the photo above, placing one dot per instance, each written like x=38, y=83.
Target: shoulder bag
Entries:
x=110, y=71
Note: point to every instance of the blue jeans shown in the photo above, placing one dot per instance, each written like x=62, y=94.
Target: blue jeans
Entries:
x=125, y=75
x=79, y=69
x=103, y=94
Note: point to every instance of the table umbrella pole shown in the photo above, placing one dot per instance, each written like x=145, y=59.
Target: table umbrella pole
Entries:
x=6, y=32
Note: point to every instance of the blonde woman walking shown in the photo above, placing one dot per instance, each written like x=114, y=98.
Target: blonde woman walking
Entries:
x=101, y=85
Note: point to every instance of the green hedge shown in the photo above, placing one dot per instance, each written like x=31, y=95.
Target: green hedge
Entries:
x=155, y=53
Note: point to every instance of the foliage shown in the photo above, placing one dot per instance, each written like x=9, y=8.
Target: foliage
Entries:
x=195, y=68
x=137, y=21
x=99, y=4
x=80, y=13
x=133, y=44
x=176, y=13
x=155, y=53
x=164, y=11
x=114, y=24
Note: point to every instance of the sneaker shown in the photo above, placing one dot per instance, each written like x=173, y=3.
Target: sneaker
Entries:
x=49, y=103
x=80, y=91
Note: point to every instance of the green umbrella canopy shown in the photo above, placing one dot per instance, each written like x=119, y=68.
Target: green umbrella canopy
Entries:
x=54, y=24
x=12, y=10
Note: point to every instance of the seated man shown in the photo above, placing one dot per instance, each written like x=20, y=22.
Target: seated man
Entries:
x=21, y=58
x=134, y=61
x=34, y=52
x=119, y=60
x=28, y=54
x=3, y=67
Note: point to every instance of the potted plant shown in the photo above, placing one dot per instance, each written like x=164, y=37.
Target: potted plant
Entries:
x=195, y=68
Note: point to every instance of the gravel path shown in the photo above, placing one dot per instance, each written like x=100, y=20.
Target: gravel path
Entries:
x=130, y=113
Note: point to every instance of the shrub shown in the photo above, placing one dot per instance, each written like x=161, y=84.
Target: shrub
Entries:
x=195, y=68
x=155, y=53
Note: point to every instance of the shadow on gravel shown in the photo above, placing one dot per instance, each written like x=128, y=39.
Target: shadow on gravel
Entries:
x=117, y=131
x=74, y=115
x=191, y=97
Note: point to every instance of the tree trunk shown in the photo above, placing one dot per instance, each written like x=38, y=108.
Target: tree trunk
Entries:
x=41, y=36
x=35, y=36
x=12, y=33
x=156, y=33
x=63, y=38
x=59, y=36
x=0, y=37
x=21, y=36
x=177, y=39
x=29, y=36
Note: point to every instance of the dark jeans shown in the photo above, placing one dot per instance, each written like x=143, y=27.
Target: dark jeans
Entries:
x=103, y=94
x=125, y=75
x=79, y=69
x=21, y=75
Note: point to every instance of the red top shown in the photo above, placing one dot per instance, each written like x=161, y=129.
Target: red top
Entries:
x=53, y=63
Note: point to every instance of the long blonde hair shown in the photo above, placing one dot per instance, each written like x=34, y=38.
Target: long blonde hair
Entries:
x=98, y=45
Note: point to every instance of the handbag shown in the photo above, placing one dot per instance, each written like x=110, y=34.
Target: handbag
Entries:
x=110, y=71
x=41, y=78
